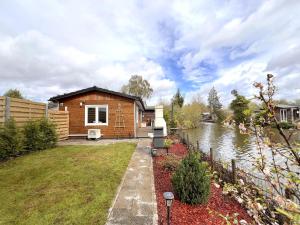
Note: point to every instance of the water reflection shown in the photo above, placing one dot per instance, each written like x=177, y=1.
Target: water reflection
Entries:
x=228, y=143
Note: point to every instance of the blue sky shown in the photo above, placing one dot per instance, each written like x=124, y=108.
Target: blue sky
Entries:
x=51, y=47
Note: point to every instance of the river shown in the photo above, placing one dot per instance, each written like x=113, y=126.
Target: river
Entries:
x=228, y=143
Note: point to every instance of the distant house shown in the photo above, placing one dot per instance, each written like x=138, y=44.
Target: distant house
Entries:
x=206, y=116
x=287, y=113
x=115, y=114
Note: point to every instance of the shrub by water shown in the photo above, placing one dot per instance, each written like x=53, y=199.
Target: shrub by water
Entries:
x=191, y=181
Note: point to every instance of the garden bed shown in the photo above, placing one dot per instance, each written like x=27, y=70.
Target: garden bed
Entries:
x=184, y=214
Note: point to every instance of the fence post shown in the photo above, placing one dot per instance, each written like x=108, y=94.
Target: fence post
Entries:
x=7, y=108
x=187, y=140
x=211, y=158
x=233, y=167
x=197, y=145
x=46, y=110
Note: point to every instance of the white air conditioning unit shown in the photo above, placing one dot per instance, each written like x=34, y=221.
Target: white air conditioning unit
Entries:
x=94, y=133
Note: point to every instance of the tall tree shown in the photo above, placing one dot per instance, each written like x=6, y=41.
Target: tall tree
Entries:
x=138, y=86
x=178, y=99
x=13, y=93
x=240, y=107
x=214, y=104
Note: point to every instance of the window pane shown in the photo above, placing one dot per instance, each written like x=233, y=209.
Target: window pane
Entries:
x=102, y=115
x=91, y=115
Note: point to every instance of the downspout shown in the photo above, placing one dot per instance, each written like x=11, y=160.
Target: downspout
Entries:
x=134, y=122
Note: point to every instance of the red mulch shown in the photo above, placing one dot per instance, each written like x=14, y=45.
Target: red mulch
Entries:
x=183, y=214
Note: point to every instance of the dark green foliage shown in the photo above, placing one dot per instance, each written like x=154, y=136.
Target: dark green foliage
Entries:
x=240, y=107
x=284, y=125
x=178, y=99
x=215, y=105
x=10, y=139
x=35, y=135
x=39, y=135
x=48, y=134
x=32, y=136
x=191, y=181
x=13, y=93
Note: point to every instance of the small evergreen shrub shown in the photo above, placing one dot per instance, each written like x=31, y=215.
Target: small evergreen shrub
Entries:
x=191, y=181
x=10, y=139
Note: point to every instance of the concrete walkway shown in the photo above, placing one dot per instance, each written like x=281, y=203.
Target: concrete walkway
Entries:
x=95, y=142
x=135, y=202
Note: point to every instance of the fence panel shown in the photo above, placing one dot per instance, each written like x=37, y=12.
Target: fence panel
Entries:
x=61, y=120
x=2, y=110
x=24, y=110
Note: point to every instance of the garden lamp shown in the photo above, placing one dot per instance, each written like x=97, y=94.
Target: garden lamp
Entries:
x=168, y=196
x=154, y=152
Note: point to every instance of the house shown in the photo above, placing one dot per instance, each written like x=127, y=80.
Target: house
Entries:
x=287, y=113
x=148, y=116
x=115, y=114
x=206, y=117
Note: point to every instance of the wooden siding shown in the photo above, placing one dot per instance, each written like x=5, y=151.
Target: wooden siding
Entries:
x=77, y=114
x=61, y=120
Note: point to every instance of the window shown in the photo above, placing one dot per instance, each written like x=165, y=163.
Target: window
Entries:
x=96, y=115
x=283, y=115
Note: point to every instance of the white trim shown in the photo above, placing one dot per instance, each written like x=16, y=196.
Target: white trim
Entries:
x=97, y=115
x=283, y=115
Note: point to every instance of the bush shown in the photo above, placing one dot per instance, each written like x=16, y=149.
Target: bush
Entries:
x=32, y=136
x=286, y=125
x=10, y=139
x=191, y=181
x=171, y=162
x=48, y=133
x=39, y=135
x=168, y=143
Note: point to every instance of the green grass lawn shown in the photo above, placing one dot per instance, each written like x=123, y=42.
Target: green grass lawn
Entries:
x=64, y=185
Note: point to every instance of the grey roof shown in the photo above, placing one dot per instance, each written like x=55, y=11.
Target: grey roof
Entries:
x=150, y=108
x=286, y=106
x=95, y=88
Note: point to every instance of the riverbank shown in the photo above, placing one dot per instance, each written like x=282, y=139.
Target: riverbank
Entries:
x=228, y=143
x=214, y=212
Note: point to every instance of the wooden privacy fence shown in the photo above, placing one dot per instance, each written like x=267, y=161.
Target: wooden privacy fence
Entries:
x=24, y=110
x=61, y=120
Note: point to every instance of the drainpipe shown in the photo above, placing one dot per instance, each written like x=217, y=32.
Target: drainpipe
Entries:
x=134, y=119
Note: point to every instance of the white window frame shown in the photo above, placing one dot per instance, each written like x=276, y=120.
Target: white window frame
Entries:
x=283, y=115
x=97, y=115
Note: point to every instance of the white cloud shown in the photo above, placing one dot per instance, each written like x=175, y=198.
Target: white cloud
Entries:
x=50, y=47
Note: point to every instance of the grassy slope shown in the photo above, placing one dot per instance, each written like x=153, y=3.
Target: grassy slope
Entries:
x=65, y=185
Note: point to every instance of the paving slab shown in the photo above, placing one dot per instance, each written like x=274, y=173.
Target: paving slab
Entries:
x=95, y=142
x=135, y=202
